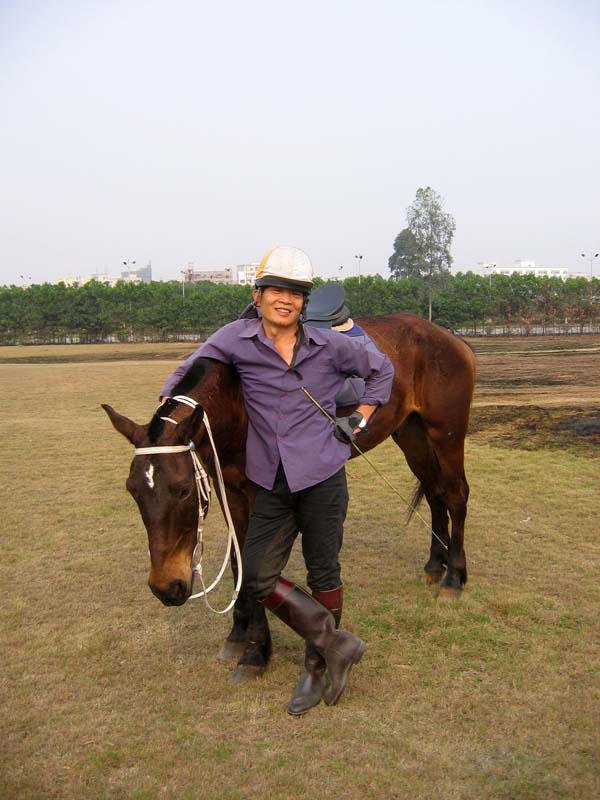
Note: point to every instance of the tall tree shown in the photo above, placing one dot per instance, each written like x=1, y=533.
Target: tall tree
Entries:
x=433, y=230
x=406, y=260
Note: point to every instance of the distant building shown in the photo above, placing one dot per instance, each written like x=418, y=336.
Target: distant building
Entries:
x=193, y=275
x=523, y=267
x=70, y=280
x=101, y=277
x=242, y=274
x=246, y=273
x=143, y=274
x=139, y=275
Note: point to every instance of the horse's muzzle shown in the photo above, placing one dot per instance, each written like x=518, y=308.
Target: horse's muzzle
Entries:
x=175, y=594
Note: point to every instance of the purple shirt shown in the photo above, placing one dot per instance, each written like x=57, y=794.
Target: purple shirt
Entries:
x=283, y=424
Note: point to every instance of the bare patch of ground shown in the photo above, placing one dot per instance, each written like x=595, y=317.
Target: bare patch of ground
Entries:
x=533, y=427
x=538, y=393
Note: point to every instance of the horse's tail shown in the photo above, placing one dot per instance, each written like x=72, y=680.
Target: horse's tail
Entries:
x=431, y=476
x=417, y=495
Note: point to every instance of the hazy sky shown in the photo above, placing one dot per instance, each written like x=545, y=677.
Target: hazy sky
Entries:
x=203, y=131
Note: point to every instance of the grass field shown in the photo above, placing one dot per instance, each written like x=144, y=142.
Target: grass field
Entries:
x=108, y=694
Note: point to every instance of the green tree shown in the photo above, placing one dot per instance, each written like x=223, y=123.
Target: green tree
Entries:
x=464, y=302
x=549, y=303
x=578, y=301
x=406, y=260
x=433, y=231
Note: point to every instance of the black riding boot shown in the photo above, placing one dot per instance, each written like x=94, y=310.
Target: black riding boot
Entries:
x=305, y=615
x=311, y=684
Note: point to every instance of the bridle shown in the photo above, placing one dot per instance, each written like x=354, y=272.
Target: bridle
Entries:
x=204, y=500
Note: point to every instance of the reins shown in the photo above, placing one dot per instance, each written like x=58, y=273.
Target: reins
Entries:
x=204, y=495
x=381, y=475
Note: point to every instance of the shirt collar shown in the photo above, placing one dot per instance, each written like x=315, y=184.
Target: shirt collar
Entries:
x=253, y=327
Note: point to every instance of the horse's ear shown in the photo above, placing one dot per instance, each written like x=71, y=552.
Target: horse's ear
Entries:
x=130, y=429
x=188, y=427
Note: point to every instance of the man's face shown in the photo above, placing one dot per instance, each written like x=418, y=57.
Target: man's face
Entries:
x=279, y=307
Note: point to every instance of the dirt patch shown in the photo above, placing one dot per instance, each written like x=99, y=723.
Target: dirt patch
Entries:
x=538, y=393
x=535, y=427
x=586, y=426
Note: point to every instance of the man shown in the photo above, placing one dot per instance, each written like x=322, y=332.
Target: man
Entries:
x=296, y=461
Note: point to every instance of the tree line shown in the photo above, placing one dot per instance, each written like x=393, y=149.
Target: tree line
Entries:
x=420, y=282
x=468, y=303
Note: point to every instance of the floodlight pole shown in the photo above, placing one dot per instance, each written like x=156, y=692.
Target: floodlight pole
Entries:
x=359, y=257
x=591, y=256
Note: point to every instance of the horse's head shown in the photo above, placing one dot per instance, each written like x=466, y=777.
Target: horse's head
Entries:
x=163, y=484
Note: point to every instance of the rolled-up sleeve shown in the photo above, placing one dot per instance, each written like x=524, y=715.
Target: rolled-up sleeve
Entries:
x=373, y=366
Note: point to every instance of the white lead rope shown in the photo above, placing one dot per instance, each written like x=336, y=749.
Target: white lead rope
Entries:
x=232, y=539
x=204, y=494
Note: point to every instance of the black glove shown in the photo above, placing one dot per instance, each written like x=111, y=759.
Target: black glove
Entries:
x=344, y=427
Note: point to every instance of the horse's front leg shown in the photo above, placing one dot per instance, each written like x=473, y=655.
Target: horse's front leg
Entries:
x=240, y=499
x=257, y=652
x=235, y=643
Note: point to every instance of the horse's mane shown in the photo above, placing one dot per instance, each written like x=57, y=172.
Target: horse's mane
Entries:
x=192, y=376
x=199, y=371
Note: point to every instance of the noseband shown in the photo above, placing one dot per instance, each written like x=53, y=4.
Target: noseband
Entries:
x=204, y=496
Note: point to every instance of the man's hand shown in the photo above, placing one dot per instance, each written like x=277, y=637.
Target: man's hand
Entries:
x=345, y=427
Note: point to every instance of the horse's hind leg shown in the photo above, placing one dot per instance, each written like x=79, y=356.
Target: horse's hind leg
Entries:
x=440, y=538
x=455, y=493
x=412, y=438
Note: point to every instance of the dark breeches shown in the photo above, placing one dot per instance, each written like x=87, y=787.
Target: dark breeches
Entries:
x=278, y=516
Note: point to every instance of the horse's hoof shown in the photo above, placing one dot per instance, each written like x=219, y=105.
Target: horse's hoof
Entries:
x=431, y=578
x=244, y=673
x=449, y=593
x=231, y=651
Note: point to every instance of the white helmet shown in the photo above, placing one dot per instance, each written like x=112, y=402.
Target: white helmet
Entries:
x=285, y=267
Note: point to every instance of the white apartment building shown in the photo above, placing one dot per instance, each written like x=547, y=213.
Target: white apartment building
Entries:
x=246, y=273
x=523, y=267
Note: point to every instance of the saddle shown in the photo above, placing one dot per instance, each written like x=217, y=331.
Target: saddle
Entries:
x=326, y=307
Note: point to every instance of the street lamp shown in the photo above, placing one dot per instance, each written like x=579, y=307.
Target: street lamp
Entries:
x=591, y=257
x=359, y=257
x=490, y=268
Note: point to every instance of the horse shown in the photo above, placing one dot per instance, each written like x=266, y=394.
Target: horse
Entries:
x=427, y=417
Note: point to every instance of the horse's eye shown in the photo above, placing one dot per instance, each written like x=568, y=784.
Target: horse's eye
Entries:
x=185, y=492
